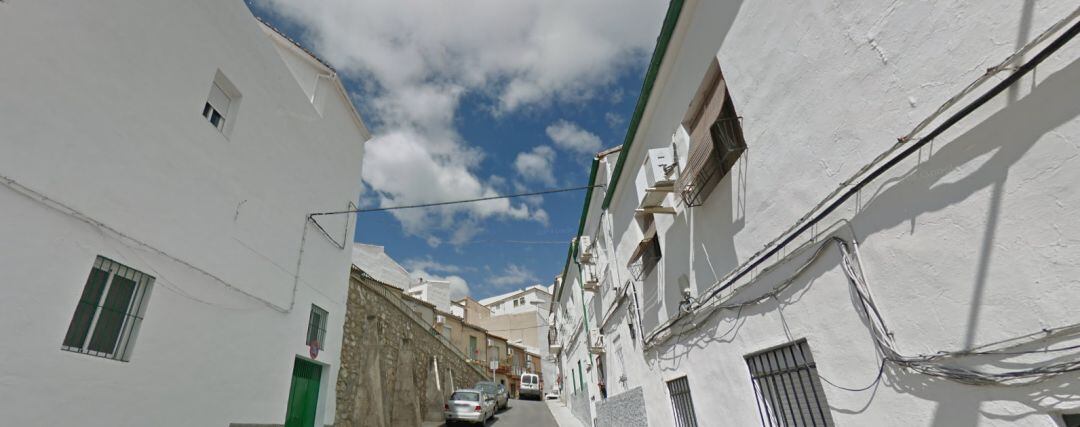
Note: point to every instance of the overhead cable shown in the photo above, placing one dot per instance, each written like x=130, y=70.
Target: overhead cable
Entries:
x=456, y=202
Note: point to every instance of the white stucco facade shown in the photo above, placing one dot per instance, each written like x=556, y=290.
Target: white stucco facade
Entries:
x=967, y=242
x=532, y=298
x=434, y=292
x=106, y=153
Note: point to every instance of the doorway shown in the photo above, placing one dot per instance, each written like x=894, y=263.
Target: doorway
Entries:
x=303, y=394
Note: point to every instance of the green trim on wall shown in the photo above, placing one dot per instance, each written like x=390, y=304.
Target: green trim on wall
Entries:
x=662, y=41
x=674, y=8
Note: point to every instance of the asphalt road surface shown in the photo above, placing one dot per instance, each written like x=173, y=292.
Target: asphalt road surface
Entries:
x=528, y=413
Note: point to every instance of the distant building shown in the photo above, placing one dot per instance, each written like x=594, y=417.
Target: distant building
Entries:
x=434, y=292
x=532, y=298
x=375, y=262
x=159, y=163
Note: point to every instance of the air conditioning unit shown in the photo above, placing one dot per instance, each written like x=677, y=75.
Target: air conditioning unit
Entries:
x=661, y=172
x=440, y=318
x=554, y=348
x=592, y=283
x=597, y=344
x=663, y=168
x=585, y=250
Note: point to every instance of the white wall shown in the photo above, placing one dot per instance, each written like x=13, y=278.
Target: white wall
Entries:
x=535, y=300
x=966, y=243
x=101, y=112
x=434, y=292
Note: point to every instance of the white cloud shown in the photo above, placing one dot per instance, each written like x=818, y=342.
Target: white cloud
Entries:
x=419, y=58
x=513, y=275
x=404, y=169
x=429, y=264
x=536, y=165
x=569, y=136
x=613, y=120
x=459, y=288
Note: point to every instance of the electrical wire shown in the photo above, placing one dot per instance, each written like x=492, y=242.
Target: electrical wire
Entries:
x=941, y=364
x=456, y=202
x=887, y=159
x=868, y=172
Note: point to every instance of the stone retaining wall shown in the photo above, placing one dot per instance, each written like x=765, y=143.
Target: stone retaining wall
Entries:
x=626, y=409
x=388, y=358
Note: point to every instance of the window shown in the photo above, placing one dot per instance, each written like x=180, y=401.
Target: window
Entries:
x=1071, y=420
x=109, y=312
x=681, y=402
x=447, y=331
x=647, y=254
x=716, y=138
x=788, y=387
x=473, y=352
x=515, y=303
x=217, y=105
x=316, y=330
x=221, y=104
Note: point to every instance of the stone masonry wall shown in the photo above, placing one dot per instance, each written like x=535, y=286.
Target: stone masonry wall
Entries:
x=579, y=406
x=625, y=409
x=388, y=353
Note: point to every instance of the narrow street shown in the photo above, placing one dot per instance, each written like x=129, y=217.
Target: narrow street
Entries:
x=532, y=413
x=643, y=213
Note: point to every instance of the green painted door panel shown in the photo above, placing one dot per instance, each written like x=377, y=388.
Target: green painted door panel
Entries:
x=303, y=394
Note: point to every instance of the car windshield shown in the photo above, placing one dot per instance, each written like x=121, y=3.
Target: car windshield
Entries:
x=487, y=387
x=529, y=379
x=471, y=396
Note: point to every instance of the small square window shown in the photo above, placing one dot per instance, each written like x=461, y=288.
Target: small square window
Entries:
x=217, y=105
x=110, y=311
x=222, y=104
x=317, y=326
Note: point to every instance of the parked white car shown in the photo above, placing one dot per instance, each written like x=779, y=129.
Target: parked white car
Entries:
x=530, y=387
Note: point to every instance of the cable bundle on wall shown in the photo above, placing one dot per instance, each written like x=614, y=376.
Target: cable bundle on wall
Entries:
x=943, y=364
x=938, y=364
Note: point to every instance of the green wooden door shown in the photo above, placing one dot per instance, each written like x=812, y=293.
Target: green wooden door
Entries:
x=303, y=394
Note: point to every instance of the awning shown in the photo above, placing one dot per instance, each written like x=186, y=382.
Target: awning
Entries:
x=650, y=234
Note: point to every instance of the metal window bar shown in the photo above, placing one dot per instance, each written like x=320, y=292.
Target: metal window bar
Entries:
x=681, y=402
x=787, y=387
x=317, y=326
x=109, y=312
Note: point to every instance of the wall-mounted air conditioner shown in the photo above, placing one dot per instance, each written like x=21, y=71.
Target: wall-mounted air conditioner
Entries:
x=597, y=344
x=592, y=283
x=661, y=172
x=585, y=250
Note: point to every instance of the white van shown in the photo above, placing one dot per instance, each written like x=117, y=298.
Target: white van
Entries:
x=530, y=387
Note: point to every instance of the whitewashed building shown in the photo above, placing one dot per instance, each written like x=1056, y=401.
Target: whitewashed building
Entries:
x=436, y=292
x=844, y=213
x=531, y=299
x=159, y=164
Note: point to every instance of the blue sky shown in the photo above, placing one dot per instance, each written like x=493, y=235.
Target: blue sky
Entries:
x=475, y=98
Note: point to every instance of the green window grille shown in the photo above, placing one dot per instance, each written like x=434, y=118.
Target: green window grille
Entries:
x=109, y=312
x=317, y=326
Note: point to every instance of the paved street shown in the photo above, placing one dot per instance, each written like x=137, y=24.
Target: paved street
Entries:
x=524, y=413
